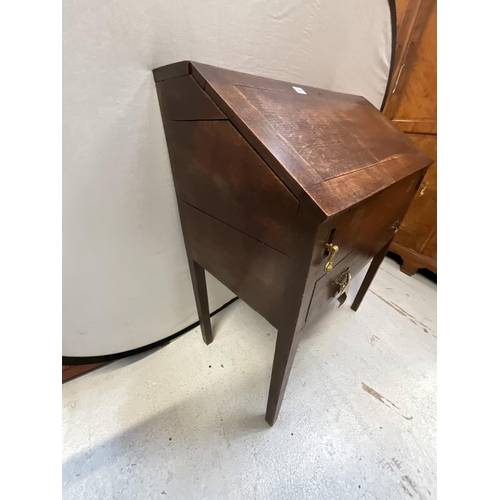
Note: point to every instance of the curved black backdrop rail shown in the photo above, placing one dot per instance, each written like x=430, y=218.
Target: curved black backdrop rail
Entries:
x=74, y=360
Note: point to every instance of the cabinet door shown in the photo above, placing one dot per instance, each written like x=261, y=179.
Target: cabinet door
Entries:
x=412, y=103
x=418, y=229
x=412, y=107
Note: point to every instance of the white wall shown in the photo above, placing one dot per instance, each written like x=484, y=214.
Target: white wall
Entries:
x=125, y=276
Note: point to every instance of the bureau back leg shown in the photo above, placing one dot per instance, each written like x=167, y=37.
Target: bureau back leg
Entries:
x=201, y=298
x=370, y=274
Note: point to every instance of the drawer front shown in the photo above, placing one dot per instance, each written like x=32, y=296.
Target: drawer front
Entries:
x=328, y=287
x=359, y=234
x=367, y=225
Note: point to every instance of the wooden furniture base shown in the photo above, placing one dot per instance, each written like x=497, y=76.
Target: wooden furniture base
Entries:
x=71, y=371
x=412, y=260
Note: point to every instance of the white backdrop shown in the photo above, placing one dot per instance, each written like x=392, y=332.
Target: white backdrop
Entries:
x=125, y=275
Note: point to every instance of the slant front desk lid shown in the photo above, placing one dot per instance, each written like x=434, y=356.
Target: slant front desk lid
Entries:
x=330, y=149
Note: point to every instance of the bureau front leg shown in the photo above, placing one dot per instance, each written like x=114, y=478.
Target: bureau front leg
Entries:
x=299, y=285
x=370, y=274
x=284, y=354
x=201, y=298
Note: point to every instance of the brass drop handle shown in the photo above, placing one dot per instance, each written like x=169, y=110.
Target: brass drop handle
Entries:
x=332, y=249
x=422, y=191
x=343, y=281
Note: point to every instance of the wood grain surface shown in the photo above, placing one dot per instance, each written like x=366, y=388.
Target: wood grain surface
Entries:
x=412, y=106
x=222, y=175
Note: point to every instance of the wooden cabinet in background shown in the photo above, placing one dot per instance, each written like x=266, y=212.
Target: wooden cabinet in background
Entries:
x=412, y=106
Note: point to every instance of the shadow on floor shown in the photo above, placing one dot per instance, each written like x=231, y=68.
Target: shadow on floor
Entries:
x=157, y=442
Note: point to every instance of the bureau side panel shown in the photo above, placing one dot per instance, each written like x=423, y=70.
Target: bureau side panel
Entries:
x=182, y=98
x=218, y=172
x=253, y=271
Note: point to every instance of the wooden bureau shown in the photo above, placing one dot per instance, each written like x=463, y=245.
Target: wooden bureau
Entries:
x=285, y=192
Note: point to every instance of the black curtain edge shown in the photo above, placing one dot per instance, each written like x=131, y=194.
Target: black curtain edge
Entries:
x=394, y=35
x=87, y=360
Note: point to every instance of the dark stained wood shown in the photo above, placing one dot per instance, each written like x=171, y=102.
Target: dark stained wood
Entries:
x=370, y=221
x=184, y=99
x=277, y=153
x=261, y=194
x=174, y=70
x=253, y=271
x=317, y=128
x=360, y=233
x=372, y=271
x=210, y=76
x=294, y=306
x=333, y=116
x=71, y=371
x=325, y=289
x=339, y=193
x=219, y=173
x=201, y=298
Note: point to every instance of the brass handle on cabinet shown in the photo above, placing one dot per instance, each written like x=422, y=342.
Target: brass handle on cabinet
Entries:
x=425, y=184
x=342, y=281
x=332, y=249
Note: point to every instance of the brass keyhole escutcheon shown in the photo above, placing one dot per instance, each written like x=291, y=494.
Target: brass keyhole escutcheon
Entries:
x=332, y=249
x=343, y=280
x=395, y=226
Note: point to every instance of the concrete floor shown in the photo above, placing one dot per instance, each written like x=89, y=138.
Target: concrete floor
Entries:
x=186, y=421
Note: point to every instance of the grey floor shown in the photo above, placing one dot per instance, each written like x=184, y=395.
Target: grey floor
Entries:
x=187, y=421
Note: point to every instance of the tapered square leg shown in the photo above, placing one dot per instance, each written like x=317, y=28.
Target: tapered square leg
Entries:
x=300, y=284
x=370, y=274
x=284, y=354
x=201, y=298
